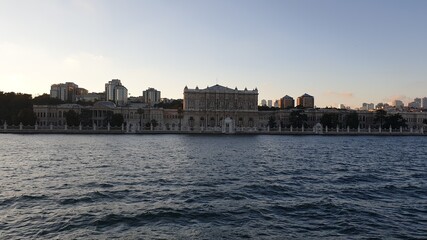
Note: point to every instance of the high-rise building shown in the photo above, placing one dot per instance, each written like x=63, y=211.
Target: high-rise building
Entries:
x=151, y=96
x=263, y=103
x=287, y=102
x=424, y=101
x=116, y=92
x=65, y=91
x=270, y=103
x=398, y=104
x=276, y=103
x=305, y=101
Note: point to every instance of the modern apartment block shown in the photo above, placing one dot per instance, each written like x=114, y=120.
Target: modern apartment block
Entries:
x=67, y=92
x=151, y=96
x=305, y=101
x=116, y=92
x=286, y=102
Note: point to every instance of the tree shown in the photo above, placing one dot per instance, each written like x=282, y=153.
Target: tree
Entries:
x=330, y=120
x=297, y=118
x=180, y=116
x=272, y=122
x=11, y=104
x=152, y=122
x=117, y=120
x=45, y=99
x=140, y=111
x=26, y=117
x=380, y=116
x=352, y=120
x=174, y=104
x=395, y=121
x=72, y=118
x=86, y=117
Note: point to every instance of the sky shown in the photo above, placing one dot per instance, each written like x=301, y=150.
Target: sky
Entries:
x=340, y=51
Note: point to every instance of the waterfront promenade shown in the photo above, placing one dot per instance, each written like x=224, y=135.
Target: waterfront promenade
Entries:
x=317, y=130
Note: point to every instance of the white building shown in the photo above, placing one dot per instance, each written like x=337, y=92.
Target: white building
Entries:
x=424, y=101
x=270, y=103
x=151, y=96
x=116, y=92
x=67, y=92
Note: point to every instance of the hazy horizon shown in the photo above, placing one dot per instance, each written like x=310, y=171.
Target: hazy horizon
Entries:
x=341, y=52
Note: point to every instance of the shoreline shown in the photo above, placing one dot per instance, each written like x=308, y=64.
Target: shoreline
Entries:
x=160, y=132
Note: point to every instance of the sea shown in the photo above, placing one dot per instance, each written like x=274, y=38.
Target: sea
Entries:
x=212, y=187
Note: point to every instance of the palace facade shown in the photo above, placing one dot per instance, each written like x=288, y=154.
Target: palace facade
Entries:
x=212, y=107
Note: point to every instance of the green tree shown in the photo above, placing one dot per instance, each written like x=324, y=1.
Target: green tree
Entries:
x=152, y=122
x=117, y=120
x=11, y=104
x=72, y=118
x=330, y=120
x=26, y=117
x=174, y=104
x=380, y=116
x=45, y=99
x=86, y=117
x=352, y=120
x=140, y=111
x=298, y=118
x=272, y=122
x=395, y=121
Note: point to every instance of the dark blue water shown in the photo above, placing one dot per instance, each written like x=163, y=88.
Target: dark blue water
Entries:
x=212, y=187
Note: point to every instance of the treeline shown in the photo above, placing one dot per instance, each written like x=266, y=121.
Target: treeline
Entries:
x=16, y=108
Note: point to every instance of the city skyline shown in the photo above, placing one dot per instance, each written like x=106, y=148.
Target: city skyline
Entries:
x=340, y=52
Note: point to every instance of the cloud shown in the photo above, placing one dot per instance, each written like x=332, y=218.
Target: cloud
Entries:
x=403, y=98
x=345, y=95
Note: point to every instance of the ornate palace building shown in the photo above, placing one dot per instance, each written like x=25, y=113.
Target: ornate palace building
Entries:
x=213, y=107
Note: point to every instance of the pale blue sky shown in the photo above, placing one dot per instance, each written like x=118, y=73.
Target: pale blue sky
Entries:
x=339, y=51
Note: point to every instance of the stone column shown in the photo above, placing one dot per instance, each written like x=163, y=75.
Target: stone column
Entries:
x=66, y=127
x=123, y=127
x=5, y=126
x=20, y=126
x=302, y=128
x=268, y=128
x=401, y=129
x=326, y=129
x=280, y=127
x=412, y=130
x=36, y=126
x=369, y=129
x=390, y=130
x=291, y=128
x=348, y=129
x=51, y=126
x=338, y=128
x=94, y=126
x=80, y=126
x=108, y=126
x=380, y=129
x=151, y=126
x=358, y=129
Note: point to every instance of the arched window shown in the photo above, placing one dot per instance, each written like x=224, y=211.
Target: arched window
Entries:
x=251, y=122
x=212, y=122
